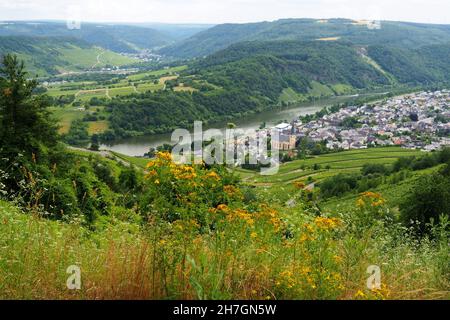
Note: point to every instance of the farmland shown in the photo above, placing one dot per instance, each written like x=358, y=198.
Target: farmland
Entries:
x=310, y=172
x=329, y=165
x=83, y=91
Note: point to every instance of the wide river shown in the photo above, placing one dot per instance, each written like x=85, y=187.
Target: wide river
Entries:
x=138, y=146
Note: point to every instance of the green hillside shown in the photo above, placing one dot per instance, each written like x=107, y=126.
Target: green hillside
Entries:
x=49, y=56
x=252, y=76
x=399, y=34
x=117, y=38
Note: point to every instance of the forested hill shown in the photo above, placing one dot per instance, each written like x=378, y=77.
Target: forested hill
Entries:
x=246, y=78
x=329, y=62
x=399, y=34
x=428, y=64
x=47, y=56
x=269, y=67
x=118, y=38
x=252, y=76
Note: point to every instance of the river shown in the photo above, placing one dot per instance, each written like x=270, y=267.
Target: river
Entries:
x=138, y=146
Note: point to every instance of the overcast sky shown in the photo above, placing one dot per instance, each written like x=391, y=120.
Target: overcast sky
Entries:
x=221, y=11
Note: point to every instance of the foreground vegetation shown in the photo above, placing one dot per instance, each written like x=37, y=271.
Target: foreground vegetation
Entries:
x=205, y=237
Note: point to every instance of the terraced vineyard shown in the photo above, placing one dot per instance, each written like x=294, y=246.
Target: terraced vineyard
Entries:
x=280, y=188
x=328, y=165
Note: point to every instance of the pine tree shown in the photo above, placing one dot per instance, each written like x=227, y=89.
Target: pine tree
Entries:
x=26, y=125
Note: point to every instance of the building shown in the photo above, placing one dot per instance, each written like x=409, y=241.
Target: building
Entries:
x=284, y=142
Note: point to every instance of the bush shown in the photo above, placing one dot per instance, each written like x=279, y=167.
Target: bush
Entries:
x=373, y=168
x=428, y=200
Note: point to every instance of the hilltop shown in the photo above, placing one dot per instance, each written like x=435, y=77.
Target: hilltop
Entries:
x=398, y=34
x=114, y=37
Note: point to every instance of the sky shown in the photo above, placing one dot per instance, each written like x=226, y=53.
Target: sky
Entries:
x=224, y=11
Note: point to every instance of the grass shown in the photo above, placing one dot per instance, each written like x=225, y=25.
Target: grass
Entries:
x=65, y=116
x=319, y=90
x=123, y=91
x=87, y=58
x=394, y=194
x=163, y=80
x=184, y=89
x=246, y=257
x=138, y=162
x=156, y=73
x=341, y=89
x=290, y=96
x=98, y=127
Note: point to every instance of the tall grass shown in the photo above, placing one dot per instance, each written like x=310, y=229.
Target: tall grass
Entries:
x=246, y=257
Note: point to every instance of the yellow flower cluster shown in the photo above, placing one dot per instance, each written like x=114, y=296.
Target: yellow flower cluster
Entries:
x=370, y=198
x=299, y=185
x=230, y=190
x=237, y=214
x=327, y=223
x=184, y=172
x=287, y=279
x=164, y=156
x=272, y=216
x=213, y=175
x=382, y=293
x=266, y=215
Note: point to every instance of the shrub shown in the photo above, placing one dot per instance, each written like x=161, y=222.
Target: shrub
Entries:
x=427, y=201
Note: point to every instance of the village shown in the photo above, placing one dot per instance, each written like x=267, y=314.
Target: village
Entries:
x=414, y=121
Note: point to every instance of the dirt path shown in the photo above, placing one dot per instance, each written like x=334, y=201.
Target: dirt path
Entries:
x=104, y=154
x=98, y=60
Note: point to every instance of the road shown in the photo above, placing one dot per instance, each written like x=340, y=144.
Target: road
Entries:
x=98, y=60
x=105, y=154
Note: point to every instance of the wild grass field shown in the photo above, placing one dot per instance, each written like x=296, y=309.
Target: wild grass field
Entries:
x=256, y=250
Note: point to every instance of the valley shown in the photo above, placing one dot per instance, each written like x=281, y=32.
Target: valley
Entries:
x=353, y=114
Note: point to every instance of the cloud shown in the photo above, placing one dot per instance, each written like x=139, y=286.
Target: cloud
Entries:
x=219, y=11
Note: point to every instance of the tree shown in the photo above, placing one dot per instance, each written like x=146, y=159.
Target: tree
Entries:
x=25, y=123
x=373, y=168
x=95, y=145
x=428, y=200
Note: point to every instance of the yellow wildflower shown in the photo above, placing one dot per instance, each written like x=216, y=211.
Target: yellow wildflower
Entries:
x=213, y=175
x=327, y=223
x=299, y=185
x=164, y=156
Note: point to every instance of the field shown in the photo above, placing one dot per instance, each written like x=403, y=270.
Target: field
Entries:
x=290, y=96
x=319, y=90
x=280, y=187
x=330, y=164
x=84, y=91
x=66, y=116
x=94, y=57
